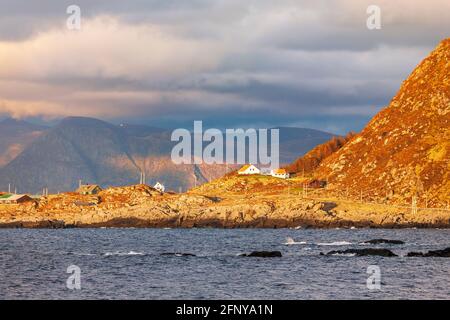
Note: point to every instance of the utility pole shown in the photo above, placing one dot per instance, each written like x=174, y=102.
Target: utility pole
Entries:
x=414, y=205
x=79, y=183
x=9, y=187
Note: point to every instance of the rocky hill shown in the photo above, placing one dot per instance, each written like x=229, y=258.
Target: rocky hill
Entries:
x=405, y=149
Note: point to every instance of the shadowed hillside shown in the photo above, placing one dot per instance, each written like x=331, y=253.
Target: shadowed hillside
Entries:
x=102, y=153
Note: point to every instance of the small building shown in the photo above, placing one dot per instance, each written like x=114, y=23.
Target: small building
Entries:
x=279, y=173
x=89, y=189
x=249, y=169
x=14, y=198
x=159, y=186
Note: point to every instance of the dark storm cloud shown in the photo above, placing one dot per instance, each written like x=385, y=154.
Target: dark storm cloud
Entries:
x=254, y=62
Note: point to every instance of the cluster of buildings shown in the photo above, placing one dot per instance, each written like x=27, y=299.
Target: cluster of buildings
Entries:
x=92, y=189
x=250, y=169
x=86, y=189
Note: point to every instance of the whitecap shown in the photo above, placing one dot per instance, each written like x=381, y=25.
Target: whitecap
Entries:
x=82, y=254
x=344, y=254
x=336, y=243
x=118, y=253
x=291, y=241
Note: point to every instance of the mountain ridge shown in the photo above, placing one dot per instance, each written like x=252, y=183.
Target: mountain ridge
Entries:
x=96, y=151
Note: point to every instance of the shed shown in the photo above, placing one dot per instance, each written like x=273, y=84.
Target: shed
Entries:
x=89, y=189
x=14, y=198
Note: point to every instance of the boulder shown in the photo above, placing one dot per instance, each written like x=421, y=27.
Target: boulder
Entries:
x=263, y=254
x=364, y=252
x=445, y=253
x=383, y=241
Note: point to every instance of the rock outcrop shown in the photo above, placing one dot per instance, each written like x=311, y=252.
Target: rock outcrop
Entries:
x=363, y=252
x=263, y=254
x=383, y=241
x=405, y=149
x=445, y=253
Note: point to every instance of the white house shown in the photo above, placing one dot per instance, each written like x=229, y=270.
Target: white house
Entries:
x=279, y=173
x=249, y=169
x=159, y=186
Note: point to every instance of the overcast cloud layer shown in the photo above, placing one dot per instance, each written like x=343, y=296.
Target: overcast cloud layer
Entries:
x=228, y=62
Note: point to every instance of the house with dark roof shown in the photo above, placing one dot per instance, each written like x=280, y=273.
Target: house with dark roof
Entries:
x=89, y=189
x=14, y=198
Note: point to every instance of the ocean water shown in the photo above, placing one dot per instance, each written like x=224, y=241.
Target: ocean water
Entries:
x=127, y=264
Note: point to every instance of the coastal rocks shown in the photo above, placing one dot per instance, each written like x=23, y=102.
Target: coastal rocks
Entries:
x=445, y=253
x=41, y=224
x=362, y=252
x=383, y=241
x=142, y=207
x=263, y=254
x=195, y=200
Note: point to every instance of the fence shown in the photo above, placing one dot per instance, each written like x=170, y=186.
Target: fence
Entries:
x=366, y=197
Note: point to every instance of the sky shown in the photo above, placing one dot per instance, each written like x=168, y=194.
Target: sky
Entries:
x=230, y=63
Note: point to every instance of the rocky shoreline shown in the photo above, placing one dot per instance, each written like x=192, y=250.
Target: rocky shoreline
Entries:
x=143, y=207
x=211, y=223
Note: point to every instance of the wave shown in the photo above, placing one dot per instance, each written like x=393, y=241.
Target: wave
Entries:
x=336, y=243
x=81, y=254
x=344, y=254
x=118, y=253
x=291, y=241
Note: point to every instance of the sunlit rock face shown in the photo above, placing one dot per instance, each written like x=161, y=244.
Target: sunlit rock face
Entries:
x=405, y=149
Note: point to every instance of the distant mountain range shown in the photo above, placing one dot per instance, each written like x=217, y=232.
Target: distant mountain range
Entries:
x=33, y=157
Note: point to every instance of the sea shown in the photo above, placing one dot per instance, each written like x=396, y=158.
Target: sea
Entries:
x=129, y=263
